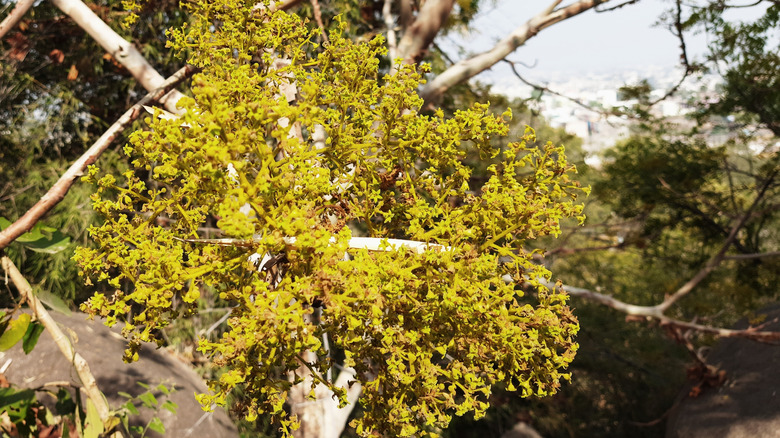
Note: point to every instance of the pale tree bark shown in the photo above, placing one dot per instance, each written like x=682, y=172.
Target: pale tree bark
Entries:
x=321, y=417
x=468, y=68
x=122, y=50
x=21, y=8
x=420, y=34
x=392, y=43
x=405, y=14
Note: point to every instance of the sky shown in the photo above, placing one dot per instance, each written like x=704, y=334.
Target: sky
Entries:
x=625, y=39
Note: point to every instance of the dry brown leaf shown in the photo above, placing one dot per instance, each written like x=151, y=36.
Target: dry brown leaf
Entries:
x=20, y=45
x=73, y=73
x=57, y=56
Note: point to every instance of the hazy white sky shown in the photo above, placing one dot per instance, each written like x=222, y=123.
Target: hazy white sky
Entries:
x=626, y=38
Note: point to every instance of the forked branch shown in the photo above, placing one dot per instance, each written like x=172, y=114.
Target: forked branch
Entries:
x=468, y=68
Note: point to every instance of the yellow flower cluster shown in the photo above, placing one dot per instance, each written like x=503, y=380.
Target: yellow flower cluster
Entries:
x=347, y=152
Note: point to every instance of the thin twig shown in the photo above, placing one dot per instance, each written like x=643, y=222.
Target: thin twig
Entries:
x=553, y=92
x=612, y=8
x=58, y=191
x=752, y=256
x=678, y=32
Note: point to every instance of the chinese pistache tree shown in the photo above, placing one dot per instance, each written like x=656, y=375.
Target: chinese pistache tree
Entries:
x=291, y=151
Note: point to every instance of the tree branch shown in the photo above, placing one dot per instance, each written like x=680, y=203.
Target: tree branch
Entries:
x=58, y=191
x=122, y=50
x=13, y=18
x=315, y=6
x=469, y=68
x=553, y=92
x=655, y=313
x=284, y=5
x=718, y=257
x=426, y=26
x=752, y=256
x=62, y=341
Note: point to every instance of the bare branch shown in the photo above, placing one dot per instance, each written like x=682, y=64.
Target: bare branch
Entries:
x=426, y=26
x=61, y=187
x=616, y=7
x=718, y=257
x=678, y=32
x=337, y=417
x=655, y=313
x=651, y=312
x=569, y=251
x=62, y=341
x=285, y=5
x=553, y=92
x=15, y=16
x=122, y=50
x=470, y=67
x=749, y=333
x=752, y=256
x=315, y=6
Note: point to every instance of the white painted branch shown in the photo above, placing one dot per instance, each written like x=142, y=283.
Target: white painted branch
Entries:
x=468, y=68
x=123, y=51
x=369, y=243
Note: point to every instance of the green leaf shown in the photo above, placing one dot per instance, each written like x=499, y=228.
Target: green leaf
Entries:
x=65, y=404
x=53, y=302
x=148, y=399
x=40, y=238
x=52, y=244
x=164, y=389
x=130, y=407
x=31, y=336
x=170, y=406
x=157, y=425
x=124, y=394
x=15, y=332
x=15, y=403
x=93, y=427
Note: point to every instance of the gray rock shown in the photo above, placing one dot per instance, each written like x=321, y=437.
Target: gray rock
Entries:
x=103, y=349
x=521, y=430
x=747, y=405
